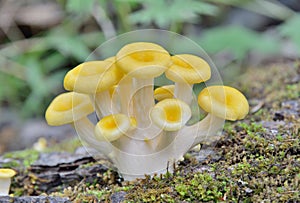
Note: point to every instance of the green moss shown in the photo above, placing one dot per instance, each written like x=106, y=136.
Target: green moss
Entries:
x=11, y=164
x=201, y=186
x=292, y=91
x=27, y=157
x=70, y=145
x=97, y=193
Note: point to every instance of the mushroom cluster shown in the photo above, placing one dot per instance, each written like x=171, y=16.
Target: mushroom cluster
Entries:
x=142, y=129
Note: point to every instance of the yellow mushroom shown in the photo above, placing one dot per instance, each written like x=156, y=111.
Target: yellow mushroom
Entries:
x=170, y=114
x=224, y=102
x=185, y=71
x=5, y=180
x=73, y=108
x=164, y=92
x=68, y=108
x=95, y=78
x=141, y=61
x=112, y=127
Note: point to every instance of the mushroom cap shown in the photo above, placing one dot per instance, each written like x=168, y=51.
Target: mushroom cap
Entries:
x=143, y=59
x=112, y=127
x=7, y=173
x=67, y=108
x=188, y=68
x=164, y=92
x=92, y=77
x=224, y=102
x=170, y=114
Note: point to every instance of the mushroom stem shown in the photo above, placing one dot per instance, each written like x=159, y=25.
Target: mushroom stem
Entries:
x=165, y=139
x=103, y=104
x=134, y=165
x=140, y=141
x=124, y=91
x=205, y=129
x=85, y=130
x=143, y=101
x=4, y=186
x=184, y=92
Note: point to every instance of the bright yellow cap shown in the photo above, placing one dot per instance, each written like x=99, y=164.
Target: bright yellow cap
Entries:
x=170, y=114
x=7, y=173
x=188, y=68
x=143, y=60
x=164, y=92
x=224, y=102
x=112, y=127
x=92, y=77
x=67, y=108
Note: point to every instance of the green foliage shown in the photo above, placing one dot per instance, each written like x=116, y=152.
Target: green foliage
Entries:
x=177, y=11
x=79, y=6
x=39, y=71
x=290, y=29
x=237, y=40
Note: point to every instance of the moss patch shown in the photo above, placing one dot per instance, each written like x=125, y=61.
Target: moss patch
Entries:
x=18, y=158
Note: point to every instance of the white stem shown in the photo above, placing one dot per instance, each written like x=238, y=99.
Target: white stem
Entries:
x=132, y=165
x=4, y=186
x=140, y=141
x=143, y=101
x=184, y=92
x=93, y=100
x=135, y=164
x=165, y=139
x=204, y=130
x=103, y=104
x=85, y=130
x=124, y=91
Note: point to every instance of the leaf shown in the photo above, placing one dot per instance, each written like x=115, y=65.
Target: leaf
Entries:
x=79, y=6
x=34, y=75
x=68, y=44
x=237, y=40
x=290, y=29
x=273, y=9
x=93, y=39
x=163, y=12
x=53, y=61
x=52, y=81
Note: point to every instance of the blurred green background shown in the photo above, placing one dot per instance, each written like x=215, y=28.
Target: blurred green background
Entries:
x=40, y=40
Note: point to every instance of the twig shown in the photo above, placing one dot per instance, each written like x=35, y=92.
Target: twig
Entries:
x=103, y=21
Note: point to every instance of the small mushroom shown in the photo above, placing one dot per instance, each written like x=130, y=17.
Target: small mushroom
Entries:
x=170, y=114
x=221, y=102
x=142, y=61
x=94, y=78
x=164, y=92
x=185, y=71
x=5, y=180
x=112, y=127
x=224, y=102
x=73, y=108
